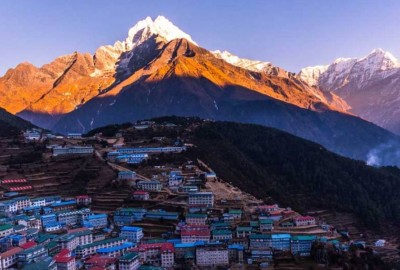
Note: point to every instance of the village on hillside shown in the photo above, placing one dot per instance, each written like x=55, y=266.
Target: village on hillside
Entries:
x=132, y=202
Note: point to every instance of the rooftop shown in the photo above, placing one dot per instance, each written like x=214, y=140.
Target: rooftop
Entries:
x=28, y=245
x=11, y=252
x=131, y=228
x=221, y=232
x=196, y=215
x=304, y=237
x=116, y=248
x=5, y=227
x=63, y=203
x=106, y=241
x=128, y=256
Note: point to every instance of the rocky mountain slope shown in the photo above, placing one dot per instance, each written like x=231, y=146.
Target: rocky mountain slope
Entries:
x=370, y=85
x=42, y=95
x=159, y=70
x=186, y=80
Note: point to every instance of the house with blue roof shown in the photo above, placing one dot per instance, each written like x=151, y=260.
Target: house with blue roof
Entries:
x=53, y=226
x=161, y=214
x=115, y=251
x=73, y=217
x=236, y=252
x=96, y=221
x=281, y=241
x=301, y=244
x=278, y=241
x=126, y=175
x=32, y=210
x=133, y=234
x=126, y=216
x=48, y=219
x=12, y=240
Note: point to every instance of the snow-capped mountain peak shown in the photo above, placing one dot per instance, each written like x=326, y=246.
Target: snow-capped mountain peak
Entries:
x=377, y=63
x=380, y=60
x=161, y=26
x=312, y=74
x=253, y=65
x=109, y=56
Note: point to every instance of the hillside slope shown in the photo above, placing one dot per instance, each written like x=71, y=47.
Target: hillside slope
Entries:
x=11, y=125
x=268, y=162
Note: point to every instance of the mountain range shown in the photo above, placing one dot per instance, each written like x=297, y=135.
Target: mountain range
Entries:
x=159, y=70
x=370, y=85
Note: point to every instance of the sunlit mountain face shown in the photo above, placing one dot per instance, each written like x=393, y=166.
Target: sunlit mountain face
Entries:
x=159, y=70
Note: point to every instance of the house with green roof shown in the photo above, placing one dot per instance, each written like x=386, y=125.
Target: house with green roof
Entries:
x=150, y=267
x=47, y=263
x=221, y=235
x=52, y=248
x=243, y=231
x=160, y=214
x=220, y=226
x=255, y=225
x=266, y=225
x=235, y=213
x=6, y=230
x=129, y=261
x=196, y=219
x=126, y=216
x=30, y=255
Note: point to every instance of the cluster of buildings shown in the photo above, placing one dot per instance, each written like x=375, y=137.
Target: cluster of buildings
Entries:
x=138, y=154
x=55, y=233
x=37, y=134
x=202, y=231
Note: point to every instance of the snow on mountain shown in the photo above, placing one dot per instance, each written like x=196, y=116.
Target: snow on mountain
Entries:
x=161, y=26
x=253, y=65
x=337, y=74
x=370, y=85
x=312, y=74
x=110, y=55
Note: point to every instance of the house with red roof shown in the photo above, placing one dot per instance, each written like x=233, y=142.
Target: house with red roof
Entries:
x=156, y=254
x=194, y=233
x=9, y=258
x=141, y=195
x=101, y=262
x=304, y=221
x=64, y=260
x=28, y=245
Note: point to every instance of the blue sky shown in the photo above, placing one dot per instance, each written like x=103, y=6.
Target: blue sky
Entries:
x=291, y=34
